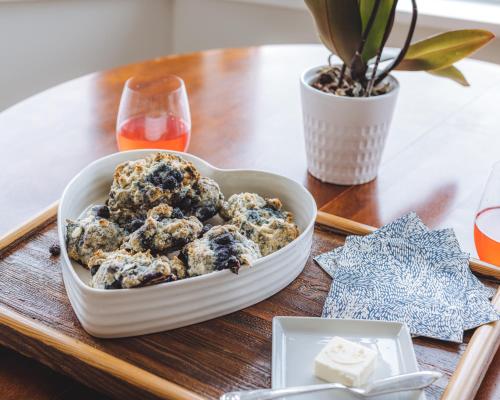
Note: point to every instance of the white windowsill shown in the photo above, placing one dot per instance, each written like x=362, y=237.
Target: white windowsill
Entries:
x=438, y=14
x=454, y=14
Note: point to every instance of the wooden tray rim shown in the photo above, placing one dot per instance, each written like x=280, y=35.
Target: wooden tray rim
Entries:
x=462, y=385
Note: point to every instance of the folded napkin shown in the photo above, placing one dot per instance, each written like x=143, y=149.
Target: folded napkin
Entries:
x=406, y=272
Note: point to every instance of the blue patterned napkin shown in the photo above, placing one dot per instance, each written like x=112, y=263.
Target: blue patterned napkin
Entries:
x=406, y=272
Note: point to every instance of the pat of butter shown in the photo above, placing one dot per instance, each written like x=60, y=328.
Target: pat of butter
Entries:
x=342, y=361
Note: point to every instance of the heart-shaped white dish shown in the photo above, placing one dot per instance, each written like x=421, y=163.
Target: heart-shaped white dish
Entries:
x=129, y=312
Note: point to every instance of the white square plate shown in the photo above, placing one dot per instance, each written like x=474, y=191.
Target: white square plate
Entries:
x=297, y=341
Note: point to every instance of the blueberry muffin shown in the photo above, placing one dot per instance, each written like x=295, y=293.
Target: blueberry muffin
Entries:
x=165, y=229
x=261, y=220
x=143, y=184
x=121, y=270
x=202, y=200
x=92, y=232
x=222, y=247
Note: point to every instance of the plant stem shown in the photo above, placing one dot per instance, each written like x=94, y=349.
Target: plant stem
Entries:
x=369, y=88
x=342, y=74
x=403, y=51
x=387, y=32
x=359, y=67
x=330, y=59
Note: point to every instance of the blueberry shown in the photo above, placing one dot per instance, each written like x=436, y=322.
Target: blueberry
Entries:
x=140, y=185
x=253, y=216
x=204, y=213
x=178, y=176
x=233, y=264
x=177, y=213
x=177, y=244
x=273, y=211
x=165, y=177
x=94, y=269
x=224, y=239
x=151, y=277
x=184, y=203
x=176, y=199
x=134, y=225
x=103, y=212
x=222, y=254
x=115, y=285
x=155, y=180
x=225, y=259
x=112, y=269
x=181, y=201
x=169, y=183
x=247, y=231
x=183, y=257
x=55, y=249
x=206, y=228
x=146, y=241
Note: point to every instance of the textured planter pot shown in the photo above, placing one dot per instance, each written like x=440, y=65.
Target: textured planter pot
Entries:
x=345, y=136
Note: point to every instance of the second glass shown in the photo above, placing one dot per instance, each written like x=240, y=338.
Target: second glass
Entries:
x=154, y=114
x=487, y=223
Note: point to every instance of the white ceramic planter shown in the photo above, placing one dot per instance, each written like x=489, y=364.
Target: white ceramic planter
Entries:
x=345, y=136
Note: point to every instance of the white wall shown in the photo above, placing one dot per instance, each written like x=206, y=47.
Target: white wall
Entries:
x=46, y=42
x=204, y=24
x=43, y=43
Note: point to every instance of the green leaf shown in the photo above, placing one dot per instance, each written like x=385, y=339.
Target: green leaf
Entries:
x=452, y=73
x=339, y=25
x=443, y=50
x=376, y=36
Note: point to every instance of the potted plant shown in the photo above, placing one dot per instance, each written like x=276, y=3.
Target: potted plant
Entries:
x=348, y=108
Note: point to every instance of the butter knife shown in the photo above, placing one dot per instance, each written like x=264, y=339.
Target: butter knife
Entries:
x=397, y=383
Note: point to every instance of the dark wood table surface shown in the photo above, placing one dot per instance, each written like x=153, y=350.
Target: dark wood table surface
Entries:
x=246, y=113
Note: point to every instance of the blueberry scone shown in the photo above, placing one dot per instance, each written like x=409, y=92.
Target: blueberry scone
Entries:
x=222, y=247
x=165, y=229
x=261, y=220
x=143, y=184
x=241, y=202
x=121, y=270
x=92, y=232
x=202, y=200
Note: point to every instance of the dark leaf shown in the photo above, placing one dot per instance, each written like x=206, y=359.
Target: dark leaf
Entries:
x=339, y=25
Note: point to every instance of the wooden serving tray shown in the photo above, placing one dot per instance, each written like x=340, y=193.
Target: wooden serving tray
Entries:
x=200, y=361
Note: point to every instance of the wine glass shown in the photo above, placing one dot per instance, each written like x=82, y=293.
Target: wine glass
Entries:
x=154, y=114
x=487, y=222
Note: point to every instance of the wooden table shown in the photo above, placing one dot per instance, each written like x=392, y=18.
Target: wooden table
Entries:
x=246, y=113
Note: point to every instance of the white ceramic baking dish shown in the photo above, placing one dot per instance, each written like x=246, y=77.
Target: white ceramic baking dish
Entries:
x=129, y=312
